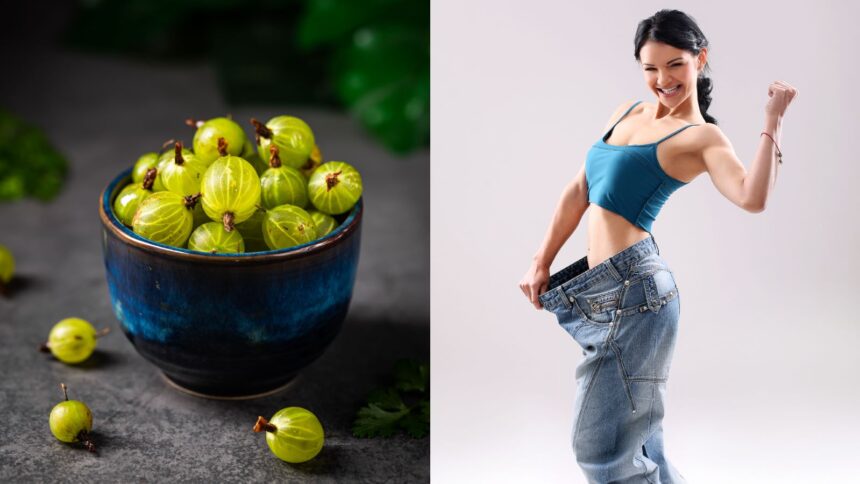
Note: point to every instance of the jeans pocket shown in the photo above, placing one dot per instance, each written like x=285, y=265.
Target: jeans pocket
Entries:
x=598, y=304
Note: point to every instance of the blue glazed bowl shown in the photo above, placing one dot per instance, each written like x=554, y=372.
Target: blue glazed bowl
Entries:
x=229, y=325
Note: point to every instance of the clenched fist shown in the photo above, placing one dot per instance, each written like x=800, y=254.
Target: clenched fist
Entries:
x=780, y=96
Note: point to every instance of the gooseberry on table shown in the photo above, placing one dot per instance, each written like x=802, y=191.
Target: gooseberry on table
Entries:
x=72, y=340
x=7, y=268
x=293, y=434
x=281, y=184
x=230, y=189
x=334, y=187
x=293, y=137
x=71, y=421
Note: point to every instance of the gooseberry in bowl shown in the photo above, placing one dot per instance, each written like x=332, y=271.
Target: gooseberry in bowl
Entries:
x=227, y=324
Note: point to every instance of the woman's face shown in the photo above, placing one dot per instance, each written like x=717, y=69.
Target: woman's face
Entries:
x=666, y=67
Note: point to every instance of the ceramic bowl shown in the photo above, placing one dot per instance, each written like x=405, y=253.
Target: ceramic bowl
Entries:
x=229, y=325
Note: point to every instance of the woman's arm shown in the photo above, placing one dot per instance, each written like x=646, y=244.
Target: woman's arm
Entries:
x=749, y=191
x=568, y=212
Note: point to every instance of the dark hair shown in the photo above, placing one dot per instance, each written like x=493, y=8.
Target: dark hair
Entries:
x=679, y=30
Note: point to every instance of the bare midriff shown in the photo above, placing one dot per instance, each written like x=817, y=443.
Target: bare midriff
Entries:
x=609, y=234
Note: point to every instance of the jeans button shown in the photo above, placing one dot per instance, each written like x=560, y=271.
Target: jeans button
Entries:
x=627, y=283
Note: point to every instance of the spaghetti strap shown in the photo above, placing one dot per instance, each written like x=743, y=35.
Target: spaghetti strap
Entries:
x=622, y=117
x=674, y=133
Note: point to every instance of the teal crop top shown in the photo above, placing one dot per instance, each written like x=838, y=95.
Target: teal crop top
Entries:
x=628, y=180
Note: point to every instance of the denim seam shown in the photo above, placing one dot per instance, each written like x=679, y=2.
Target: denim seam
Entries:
x=647, y=379
x=623, y=374
x=587, y=394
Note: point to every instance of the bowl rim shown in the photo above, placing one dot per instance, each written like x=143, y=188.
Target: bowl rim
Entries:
x=128, y=237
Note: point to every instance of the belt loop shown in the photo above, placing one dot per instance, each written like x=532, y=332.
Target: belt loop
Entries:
x=563, y=296
x=655, y=243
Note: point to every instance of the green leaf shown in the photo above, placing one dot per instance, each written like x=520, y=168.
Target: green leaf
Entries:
x=417, y=422
x=374, y=421
x=29, y=164
x=410, y=375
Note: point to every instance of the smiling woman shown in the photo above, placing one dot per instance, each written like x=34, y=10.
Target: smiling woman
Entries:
x=620, y=302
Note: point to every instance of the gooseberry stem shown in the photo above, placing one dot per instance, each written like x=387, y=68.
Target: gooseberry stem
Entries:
x=263, y=424
x=331, y=180
x=261, y=130
x=84, y=438
x=65, y=392
x=222, y=147
x=275, y=159
x=167, y=143
x=102, y=332
x=191, y=201
x=149, y=178
x=177, y=149
x=227, y=219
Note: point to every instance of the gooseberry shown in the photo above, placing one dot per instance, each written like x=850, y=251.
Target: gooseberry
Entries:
x=213, y=238
x=72, y=340
x=165, y=217
x=142, y=165
x=128, y=200
x=208, y=133
x=334, y=187
x=323, y=222
x=7, y=267
x=230, y=188
x=291, y=135
x=287, y=226
x=294, y=434
x=181, y=173
x=252, y=232
x=72, y=421
x=282, y=184
x=249, y=153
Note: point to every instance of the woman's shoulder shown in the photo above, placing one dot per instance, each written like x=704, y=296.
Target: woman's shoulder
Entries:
x=621, y=109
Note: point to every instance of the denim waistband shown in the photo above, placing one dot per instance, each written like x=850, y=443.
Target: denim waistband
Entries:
x=578, y=277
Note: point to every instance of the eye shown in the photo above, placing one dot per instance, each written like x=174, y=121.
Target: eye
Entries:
x=673, y=65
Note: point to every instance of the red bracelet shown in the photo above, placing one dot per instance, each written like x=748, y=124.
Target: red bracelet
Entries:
x=778, y=152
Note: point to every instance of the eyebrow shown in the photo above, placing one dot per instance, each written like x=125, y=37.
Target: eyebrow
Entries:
x=673, y=60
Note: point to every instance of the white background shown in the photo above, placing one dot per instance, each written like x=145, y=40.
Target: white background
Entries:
x=764, y=383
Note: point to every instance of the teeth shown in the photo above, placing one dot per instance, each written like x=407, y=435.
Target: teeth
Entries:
x=669, y=91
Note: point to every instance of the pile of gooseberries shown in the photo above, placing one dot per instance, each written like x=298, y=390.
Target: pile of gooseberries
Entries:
x=226, y=196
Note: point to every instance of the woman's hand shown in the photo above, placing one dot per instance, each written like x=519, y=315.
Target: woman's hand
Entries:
x=780, y=96
x=535, y=282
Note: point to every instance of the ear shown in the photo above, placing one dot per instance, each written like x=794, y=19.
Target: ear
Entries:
x=703, y=59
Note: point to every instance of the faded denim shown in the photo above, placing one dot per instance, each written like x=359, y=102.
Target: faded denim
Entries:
x=624, y=314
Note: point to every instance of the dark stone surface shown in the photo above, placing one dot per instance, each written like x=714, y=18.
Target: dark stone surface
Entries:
x=103, y=113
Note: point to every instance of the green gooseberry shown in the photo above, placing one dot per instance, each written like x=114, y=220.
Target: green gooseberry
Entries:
x=287, y=226
x=213, y=238
x=142, y=165
x=7, y=268
x=199, y=216
x=181, y=174
x=230, y=189
x=324, y=222
x=208, y=133
x=291, y=135
x=71, y=421
x=282, y=184
x=165, y=217
x=252, y=232
x=72, y=340
x=293, y=434
x=128, y=200
x=334, y=187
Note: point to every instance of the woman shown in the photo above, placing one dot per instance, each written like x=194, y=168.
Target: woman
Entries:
x=620, y=302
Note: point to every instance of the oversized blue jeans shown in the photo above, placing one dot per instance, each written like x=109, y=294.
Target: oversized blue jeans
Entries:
x=624, y=314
